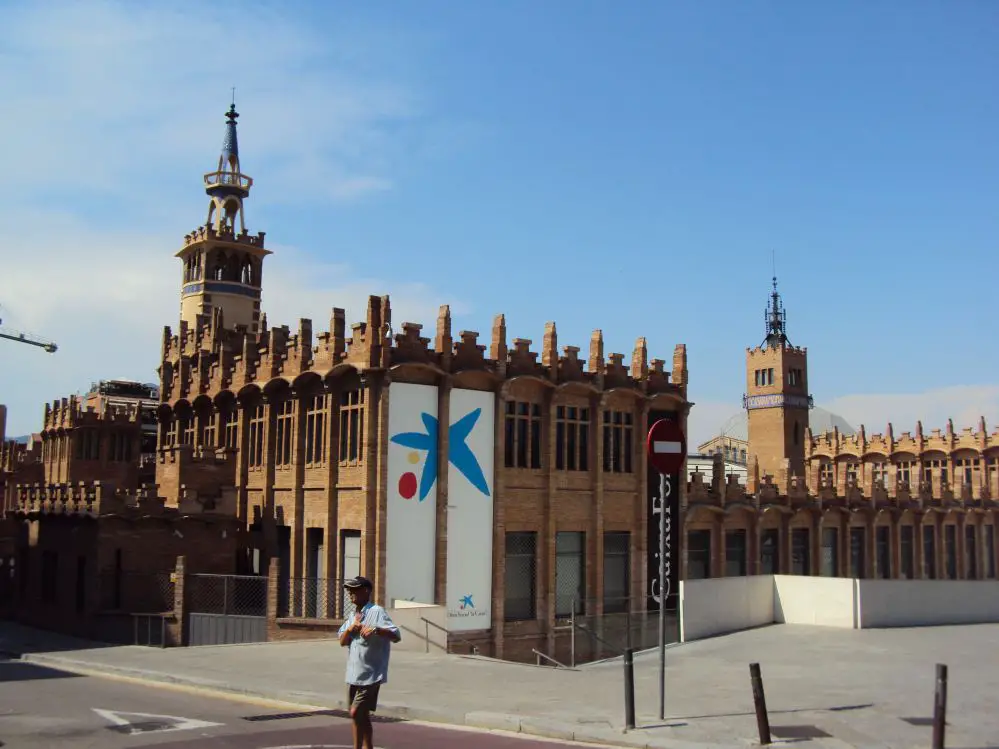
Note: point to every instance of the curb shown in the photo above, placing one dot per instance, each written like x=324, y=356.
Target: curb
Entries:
x=483, y=720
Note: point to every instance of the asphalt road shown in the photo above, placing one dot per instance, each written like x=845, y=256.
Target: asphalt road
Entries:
x=41, y=708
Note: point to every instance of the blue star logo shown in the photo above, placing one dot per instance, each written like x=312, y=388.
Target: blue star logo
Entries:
x=466, y=601
x=460, y=455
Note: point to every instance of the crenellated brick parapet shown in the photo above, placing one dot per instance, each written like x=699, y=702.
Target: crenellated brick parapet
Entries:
x=69, y=413
x=210, y=358
x=942, y=463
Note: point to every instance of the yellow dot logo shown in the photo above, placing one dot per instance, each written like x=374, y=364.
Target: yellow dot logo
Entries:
x=413, y=457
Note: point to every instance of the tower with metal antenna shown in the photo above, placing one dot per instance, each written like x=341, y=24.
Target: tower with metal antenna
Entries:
x=777, y=400
x=222, y=262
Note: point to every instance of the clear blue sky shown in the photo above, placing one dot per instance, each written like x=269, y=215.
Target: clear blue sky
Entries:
x=631, y=166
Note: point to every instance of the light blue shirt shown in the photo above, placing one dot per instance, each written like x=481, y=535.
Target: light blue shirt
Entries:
x=368, y=658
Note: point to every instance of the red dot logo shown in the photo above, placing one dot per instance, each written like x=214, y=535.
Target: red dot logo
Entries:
x=407, y=485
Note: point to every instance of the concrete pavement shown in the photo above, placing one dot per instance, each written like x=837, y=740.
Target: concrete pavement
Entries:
x=44, y=708
x=845, y=688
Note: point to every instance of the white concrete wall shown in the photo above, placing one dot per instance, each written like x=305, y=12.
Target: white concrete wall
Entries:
x=724, y=604
x=914, y=603
x=417, y=634
x=826, y=601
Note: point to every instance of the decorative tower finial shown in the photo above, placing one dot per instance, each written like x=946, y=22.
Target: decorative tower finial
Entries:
x=227, y=186
x=776, y=321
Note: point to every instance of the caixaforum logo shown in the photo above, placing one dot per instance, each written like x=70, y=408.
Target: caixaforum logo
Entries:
x=460, y=455
x=466, y=608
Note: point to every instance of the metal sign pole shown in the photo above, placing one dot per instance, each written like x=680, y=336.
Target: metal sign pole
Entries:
x=663, y=593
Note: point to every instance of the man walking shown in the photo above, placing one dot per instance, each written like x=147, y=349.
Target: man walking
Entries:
x=368, y=635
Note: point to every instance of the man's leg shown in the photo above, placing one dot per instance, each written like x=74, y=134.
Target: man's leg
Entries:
x=363, y=701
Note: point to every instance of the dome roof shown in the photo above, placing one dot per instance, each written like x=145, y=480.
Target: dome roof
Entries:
x=819, y=420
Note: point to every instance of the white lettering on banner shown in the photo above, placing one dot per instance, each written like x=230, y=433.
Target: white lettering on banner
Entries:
x=661, y=507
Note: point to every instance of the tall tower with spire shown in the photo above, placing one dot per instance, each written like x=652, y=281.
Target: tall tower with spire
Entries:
x=223, y=263
x=777, y=400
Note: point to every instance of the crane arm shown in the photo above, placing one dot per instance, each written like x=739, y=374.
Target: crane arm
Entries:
x=13, y=335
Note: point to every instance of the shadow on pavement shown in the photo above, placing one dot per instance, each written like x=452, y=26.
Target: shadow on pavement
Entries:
x=333, y=713
x=14, y=670
x=837, y=709
x=19, y=639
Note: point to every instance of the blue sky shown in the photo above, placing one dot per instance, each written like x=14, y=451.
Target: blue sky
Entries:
x=623, y=166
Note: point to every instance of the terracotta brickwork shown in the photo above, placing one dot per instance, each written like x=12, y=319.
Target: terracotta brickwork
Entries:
x=776, y=524
x=295, y=424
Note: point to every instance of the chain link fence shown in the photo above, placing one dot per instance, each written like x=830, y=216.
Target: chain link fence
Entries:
x=623, y=623
x=136, y=592
x=232, y=595
x=314, y=598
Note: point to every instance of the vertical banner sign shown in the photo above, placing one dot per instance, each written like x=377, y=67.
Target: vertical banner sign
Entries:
x=411, y=521
x=471, y=439
x=666, y=450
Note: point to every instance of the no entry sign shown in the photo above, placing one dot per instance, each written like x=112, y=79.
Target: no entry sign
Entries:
x=667, y=447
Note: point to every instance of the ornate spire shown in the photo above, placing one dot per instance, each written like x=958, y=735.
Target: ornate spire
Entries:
x=230, y=144
x=776, y=321
x=227, y=186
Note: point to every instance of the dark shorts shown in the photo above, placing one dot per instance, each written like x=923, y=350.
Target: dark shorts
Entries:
x=364, y=698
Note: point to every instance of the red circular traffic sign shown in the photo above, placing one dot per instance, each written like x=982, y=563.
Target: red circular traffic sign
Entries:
x=666, y=446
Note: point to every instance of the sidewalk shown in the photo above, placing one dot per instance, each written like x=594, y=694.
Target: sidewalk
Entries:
x=855, y=687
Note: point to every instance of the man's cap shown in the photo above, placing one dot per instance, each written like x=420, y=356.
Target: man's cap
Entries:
x=358, y=582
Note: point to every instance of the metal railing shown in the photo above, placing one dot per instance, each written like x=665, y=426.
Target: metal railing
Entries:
x=619, y=626
x=314, y=598
x=427, y=624
x=230, y=595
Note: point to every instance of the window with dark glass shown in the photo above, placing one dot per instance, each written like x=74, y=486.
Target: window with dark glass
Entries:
x=50, y=577
x=618, y=441
x=882, y=540
x=950, y=550
x=990, y=551
x=907, y=552
x=858, y=557
x=232, y=428
x=284, y=432
x=617, y=546
x=770, y=551
x=735, y=552
x=826, y=476
x=698, y=555
x=351, y=426
x=830, y=552
x=929, y=553
x=208, y=423
x=315, y=429
x=520, y=575
x=572, y=438
x=522, y=435
x=570, y=572
x=970, y=552
x=256, y=451
x=801, y=556
x=187, y=429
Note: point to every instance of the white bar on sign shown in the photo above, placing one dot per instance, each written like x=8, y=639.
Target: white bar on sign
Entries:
x=666, y=447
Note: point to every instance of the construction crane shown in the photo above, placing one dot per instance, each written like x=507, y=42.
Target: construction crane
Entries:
x=14, y=335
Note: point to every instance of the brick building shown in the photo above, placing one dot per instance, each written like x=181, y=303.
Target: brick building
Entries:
x=912, y=506
x=532, y=498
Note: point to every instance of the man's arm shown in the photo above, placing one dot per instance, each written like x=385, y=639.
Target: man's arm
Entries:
x=387, y=628
x=347, y=631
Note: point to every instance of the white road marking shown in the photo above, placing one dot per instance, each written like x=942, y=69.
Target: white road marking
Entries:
x=672, y=448
x=149, y=723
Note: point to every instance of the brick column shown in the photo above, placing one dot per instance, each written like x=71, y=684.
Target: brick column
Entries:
x=180, y=602
x=273, y=598
x=440, y=555
x=499, y=524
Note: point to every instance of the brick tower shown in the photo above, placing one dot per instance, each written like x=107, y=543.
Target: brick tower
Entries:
x=777, y=400
x=222, y=265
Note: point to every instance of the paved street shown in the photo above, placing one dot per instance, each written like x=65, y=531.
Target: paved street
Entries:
x=41, y=707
